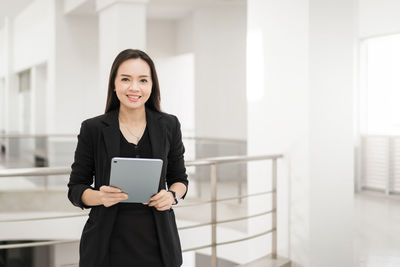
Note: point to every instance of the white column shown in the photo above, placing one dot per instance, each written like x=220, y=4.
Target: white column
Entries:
x=11, y=89
x=122, y=25
x=219, y=42
x=302, y=106
x=75, y=65
x=332, y=44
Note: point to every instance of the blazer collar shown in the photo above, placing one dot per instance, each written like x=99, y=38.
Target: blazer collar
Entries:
x=111, y=133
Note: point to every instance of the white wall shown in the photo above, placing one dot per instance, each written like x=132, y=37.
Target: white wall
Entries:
x=39, y=98
x=277, y=117
x=378, y=17
x=332, y=75
x=304, y=109
x=184, y=35
x=176, y=78
x=10, y=81
x=76, y=71
x=32, y=37
x=114, y=20
x=219, y=40
x=161, y=38
x=2, y=52
x=175, y=70
x=2, y=80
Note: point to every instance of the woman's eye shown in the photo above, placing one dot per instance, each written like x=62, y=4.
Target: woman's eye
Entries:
x=143, y=80
x=124, y=79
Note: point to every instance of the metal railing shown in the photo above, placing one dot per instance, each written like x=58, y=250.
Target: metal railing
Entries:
x=70, y=135
x=213, y=163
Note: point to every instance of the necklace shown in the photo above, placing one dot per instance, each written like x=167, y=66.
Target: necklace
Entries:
x=134, y=135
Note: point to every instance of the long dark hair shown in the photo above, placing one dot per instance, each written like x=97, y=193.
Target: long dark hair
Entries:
x=112, y=100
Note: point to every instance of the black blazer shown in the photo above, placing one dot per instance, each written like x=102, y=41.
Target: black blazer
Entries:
x=98, y=143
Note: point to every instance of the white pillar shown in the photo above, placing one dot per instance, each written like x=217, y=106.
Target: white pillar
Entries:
x=332, y=41
x=122, y=25
x=11, y=89
x=219, y=41
x=302, y=106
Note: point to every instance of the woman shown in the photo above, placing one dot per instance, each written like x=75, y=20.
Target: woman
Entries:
x=129, y=234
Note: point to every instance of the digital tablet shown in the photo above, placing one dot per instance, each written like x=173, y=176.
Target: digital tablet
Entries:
x=138, y=177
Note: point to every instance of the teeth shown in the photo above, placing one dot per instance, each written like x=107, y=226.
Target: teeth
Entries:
x=134, y=97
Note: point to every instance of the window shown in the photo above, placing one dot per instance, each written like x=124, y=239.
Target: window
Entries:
x=380, y=85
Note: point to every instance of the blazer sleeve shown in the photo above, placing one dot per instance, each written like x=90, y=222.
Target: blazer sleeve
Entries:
x=82, y=169
x=176, y=171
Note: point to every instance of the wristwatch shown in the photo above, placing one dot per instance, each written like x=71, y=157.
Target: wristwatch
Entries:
x=174, y=195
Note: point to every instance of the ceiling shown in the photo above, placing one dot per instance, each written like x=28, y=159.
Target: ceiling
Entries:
x=162, y=9
x=157, y=9
x=10, y=8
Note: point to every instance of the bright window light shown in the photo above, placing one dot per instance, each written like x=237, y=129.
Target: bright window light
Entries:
x=380, y=85
x=255, y=65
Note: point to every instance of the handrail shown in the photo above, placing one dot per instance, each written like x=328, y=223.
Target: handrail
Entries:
x=224, y=199
x=37, y=244
x=232, y=241
x=212, y=162
x=83, y=214
x=71, y=135
x=41, y=171
x=226, y=221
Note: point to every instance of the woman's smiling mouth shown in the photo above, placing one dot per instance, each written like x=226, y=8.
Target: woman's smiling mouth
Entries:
x=134, y=98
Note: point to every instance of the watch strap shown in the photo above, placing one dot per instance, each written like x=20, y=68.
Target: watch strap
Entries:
x=174, y=195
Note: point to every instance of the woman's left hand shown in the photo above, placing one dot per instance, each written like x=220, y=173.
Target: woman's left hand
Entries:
x=163, y=200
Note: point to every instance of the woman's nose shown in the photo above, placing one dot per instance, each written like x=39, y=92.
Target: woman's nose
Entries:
x=134, y=86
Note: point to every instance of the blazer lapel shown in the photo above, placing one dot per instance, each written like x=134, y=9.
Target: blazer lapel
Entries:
x=156, y=132
x=111, y=134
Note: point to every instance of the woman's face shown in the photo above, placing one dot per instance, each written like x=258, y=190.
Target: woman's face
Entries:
x=133, y=83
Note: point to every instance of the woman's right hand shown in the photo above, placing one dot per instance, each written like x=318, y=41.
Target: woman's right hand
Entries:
x=110, y=195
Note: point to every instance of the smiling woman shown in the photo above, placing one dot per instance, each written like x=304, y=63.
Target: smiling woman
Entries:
x=129, y=234
x=133, y=83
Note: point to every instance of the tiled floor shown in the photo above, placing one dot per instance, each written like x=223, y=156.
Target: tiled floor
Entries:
x=377, y=228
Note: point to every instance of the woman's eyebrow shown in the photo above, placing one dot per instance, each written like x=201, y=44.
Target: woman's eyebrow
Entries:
x=127, y=75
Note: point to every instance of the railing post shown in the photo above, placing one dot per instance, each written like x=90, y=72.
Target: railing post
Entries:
x=274, y=207
x=46, y=182
x=390, y=176
x=213, y=183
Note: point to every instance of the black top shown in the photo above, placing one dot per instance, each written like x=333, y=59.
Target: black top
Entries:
x=141, y=150
x=134, y=240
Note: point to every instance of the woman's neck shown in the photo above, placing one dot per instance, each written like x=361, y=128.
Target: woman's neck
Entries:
x=132, y=116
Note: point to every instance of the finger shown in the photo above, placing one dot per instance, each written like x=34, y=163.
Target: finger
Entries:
x=155, y=197
x=158, y=195
x=167, y=207
x=163, y=198
x=115, y=195
x=110, y=198
x=163, y=204
x=111, y=202
x=110, y=189
x=155, y=203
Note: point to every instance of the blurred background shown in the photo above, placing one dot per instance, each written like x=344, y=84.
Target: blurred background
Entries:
x=289, y=110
